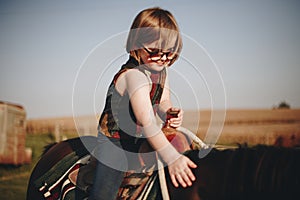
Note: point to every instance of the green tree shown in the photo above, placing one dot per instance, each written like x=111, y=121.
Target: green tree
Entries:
x=283, y=105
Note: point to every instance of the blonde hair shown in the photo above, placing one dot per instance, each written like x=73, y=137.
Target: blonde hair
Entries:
x=154, y=24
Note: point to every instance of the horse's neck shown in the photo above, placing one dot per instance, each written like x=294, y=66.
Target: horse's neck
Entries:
x=241, y=172
x=253, y=170
x=244, y=170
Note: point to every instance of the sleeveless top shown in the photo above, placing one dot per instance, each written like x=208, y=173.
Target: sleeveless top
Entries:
x=117, y=119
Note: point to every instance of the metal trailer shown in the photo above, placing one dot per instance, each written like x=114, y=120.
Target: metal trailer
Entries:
x=13, y=135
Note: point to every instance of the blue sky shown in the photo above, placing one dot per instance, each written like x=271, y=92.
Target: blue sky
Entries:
x=254, y=47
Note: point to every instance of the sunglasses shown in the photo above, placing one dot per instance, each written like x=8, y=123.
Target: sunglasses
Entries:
x=157, y=55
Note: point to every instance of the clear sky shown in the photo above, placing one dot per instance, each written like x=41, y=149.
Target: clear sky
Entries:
x=253, y=46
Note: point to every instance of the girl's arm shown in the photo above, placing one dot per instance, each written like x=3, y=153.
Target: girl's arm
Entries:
x=138, y=89
x=166, y=104
x=165, y=101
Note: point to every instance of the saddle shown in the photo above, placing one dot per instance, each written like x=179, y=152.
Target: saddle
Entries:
x=134, y=185
x=73, y=175
x=77, y=181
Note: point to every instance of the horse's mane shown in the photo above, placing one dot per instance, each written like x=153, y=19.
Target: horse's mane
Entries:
x=260, y=169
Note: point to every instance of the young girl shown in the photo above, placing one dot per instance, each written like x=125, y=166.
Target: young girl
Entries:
x=138, y=92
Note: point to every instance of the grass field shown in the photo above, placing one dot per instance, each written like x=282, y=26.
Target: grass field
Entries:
x=240, y=126
x=14, y=179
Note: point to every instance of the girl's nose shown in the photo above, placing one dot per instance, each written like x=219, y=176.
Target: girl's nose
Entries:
x=164, y=58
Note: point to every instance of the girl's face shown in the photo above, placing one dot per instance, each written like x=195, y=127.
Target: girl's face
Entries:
x=154, y=58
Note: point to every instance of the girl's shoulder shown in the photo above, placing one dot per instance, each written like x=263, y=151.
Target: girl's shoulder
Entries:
x=128, y=73
x=130, y=78
x=136, y=75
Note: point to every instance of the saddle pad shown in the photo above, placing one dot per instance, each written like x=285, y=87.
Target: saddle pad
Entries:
x=51, y=182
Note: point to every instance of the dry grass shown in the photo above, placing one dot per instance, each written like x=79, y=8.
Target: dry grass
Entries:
x=281, y=126
x=83, y=125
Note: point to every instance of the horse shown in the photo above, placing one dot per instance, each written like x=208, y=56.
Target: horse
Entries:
x=259, y=172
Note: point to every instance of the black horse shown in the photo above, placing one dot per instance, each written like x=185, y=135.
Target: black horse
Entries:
x=260, y=172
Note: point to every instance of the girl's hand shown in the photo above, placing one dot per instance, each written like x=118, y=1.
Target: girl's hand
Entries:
x=181, y=173
x=176, y=121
